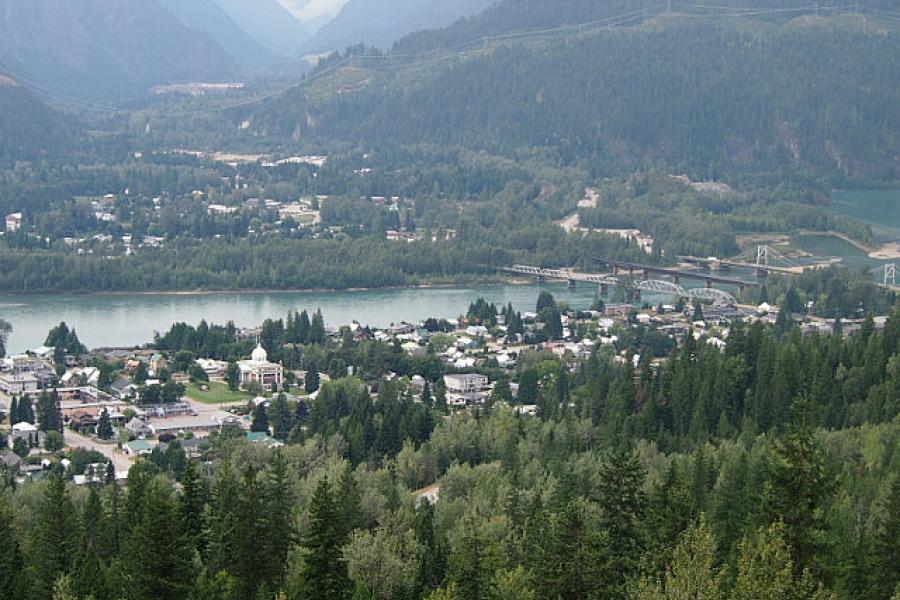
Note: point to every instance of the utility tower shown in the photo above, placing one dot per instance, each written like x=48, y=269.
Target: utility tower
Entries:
x=890, y=274
x=762, y=260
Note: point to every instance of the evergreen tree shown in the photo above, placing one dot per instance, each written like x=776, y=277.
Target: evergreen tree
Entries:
x=249, y=550
x=691, y=574
x=545, y=301
x=427, y=399
x=765, y=570
x=233, y=376
x=349, y=502
x=104, y=425
x=698, y=312
x=303, y=327
x=570, y=559
x=884, y=557
x=141, y=374
x=26, y=410
x=432, y=563
x=14, y=411
x=90, y=573
x=281, y=417
x=311, y=381
x=158, y=559
x=191, y=503
x=260, y=419
x=324, y=571
x=55, y=547
x=552, y=323
x=12, y=580
x=469, y=569
x=277, y=520
x=528, y=387
x=801, y=489
x=317, y=329
x=49, y=414
x=220, y=521
x=623, y=508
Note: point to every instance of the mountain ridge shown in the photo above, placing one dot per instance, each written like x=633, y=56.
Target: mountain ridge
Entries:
x=104, y=48
x=380, y=23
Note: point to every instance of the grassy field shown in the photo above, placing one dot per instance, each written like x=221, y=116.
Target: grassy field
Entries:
x=217, y=393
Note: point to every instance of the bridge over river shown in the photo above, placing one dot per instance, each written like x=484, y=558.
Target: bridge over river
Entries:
x=643, y=284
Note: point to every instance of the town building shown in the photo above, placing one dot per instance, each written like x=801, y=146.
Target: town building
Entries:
x=259, y=370
x=18, y=384
x=13, y=222
x=468, y=388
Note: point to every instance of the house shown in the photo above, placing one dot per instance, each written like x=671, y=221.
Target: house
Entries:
x=13, y=222
x=261, y=437
x=123, y=389
x=469, y=388
x=19, y=384
x=138, y=428
x=28, y=432
x=137, y=448
x=157, y=363
x=211, y=367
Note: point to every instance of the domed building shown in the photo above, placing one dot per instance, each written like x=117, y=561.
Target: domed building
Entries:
x=259, y=370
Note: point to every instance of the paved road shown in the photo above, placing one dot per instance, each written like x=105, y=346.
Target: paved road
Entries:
x=119, y=460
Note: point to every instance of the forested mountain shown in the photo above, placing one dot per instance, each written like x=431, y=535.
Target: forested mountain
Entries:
x=95, y=48
x=699, y=94
x=381, y=22
x=28, y=129
x=269, y=23
x=507, y=16
x=207, y=17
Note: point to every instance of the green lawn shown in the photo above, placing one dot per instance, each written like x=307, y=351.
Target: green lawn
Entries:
x=217, y=393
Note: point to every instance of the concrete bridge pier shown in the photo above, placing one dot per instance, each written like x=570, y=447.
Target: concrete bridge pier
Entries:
x=604, y=289
x=571, y=283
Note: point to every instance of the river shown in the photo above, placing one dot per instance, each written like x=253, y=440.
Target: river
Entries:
x=104, y=320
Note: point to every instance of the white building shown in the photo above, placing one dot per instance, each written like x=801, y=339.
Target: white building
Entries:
x=259, y=370
x=13, y=222
x=468, y=388
x=19, y=384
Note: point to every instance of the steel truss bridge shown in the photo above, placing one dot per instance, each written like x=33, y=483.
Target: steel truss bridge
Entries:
x=656, y=286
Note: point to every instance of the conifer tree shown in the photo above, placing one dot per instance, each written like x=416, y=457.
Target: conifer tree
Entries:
x=281, y=417
x=324, y=571
x=623, y=508
x=55, y=548
x=191, y=503
x=26, y=410
x=104, y=425
x=158, y=558
x=277, y=521
x=691, y=574
x=469, y=568
x=884, y=558
x=220, y=521
x=12, y=580
x=801, y=489
x=260, y=419
x=233, y=376
x=311, y=381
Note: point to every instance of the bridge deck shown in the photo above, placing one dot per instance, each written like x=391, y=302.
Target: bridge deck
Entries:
x=679, y=273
